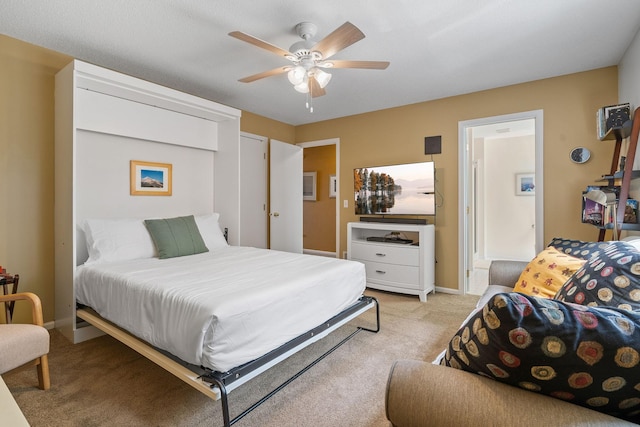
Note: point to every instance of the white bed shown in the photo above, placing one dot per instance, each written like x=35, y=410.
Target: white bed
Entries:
x=214, y=318
x=222, y=308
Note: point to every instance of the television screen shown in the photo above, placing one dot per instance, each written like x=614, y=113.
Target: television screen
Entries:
x=403, y=189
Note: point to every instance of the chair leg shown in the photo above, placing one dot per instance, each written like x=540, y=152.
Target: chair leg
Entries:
x=43, y=372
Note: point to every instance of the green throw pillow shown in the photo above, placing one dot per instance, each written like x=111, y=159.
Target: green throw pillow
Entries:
x=176, y=237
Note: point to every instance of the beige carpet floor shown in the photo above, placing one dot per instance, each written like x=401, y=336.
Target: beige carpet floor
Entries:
x=102, y=382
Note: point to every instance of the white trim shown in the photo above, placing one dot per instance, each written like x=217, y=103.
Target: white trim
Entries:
x=463, y=178
x=448, y=290
x=254, y=136
x=336, y=142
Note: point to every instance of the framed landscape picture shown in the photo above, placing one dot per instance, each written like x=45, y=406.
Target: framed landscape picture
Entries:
x=525, y=184
x=150, y=179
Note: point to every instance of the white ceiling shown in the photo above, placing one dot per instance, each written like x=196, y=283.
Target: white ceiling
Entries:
x=437, y=48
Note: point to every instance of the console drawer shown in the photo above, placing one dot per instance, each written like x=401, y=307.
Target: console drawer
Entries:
x=398, y=275
x=390, y=253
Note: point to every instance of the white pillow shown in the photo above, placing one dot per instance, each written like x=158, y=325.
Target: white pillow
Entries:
x=633, y=241
x=110, y=240
x=210, y=231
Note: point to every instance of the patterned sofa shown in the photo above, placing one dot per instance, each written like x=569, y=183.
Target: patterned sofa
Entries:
x=565, y=356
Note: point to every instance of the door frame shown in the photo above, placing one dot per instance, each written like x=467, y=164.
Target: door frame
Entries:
x=464, y=187
x=321, y=143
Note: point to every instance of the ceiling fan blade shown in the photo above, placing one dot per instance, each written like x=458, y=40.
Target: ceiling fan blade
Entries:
x=344, y=36
x=260, y=43
x=314, y=88
x=371, y=65
x=274, y=72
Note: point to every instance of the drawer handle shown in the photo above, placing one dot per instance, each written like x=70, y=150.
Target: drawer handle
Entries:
x=381, y=272
x=379, y=254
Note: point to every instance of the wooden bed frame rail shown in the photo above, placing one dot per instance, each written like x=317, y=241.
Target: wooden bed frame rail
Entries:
x=217, y=385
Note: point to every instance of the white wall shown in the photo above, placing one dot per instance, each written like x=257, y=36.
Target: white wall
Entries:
x=509, y=217
x=629, y=91
x=103, y=178
x=629, y=81
x=629, y=74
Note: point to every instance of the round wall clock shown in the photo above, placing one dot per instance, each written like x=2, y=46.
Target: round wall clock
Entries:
x=580, y=155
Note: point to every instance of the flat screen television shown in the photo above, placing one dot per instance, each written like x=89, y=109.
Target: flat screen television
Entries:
x=401, y=189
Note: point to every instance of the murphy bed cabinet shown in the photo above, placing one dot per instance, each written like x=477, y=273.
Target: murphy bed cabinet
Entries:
x=623, y=178
x=404, y=267
x=105, y=119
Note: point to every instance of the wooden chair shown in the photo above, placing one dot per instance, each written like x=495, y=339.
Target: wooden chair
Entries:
x=25, y=344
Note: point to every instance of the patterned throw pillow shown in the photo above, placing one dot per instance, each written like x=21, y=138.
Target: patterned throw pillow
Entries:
x=584, y=355
x=610, y=278
x=547, y=272
x=577, y=248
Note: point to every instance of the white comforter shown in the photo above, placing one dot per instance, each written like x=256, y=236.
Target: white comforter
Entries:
x=222, y=308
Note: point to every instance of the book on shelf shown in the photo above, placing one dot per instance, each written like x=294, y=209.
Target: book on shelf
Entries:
x=592, y=212
x=601, y=215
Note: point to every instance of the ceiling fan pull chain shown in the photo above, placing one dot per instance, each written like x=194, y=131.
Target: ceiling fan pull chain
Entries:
x=309, y=102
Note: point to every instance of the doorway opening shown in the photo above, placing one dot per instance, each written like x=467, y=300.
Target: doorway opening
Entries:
x=501, y=193
x=322, y=215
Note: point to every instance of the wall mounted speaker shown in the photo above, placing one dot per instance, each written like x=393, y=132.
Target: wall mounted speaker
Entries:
x=433, y=144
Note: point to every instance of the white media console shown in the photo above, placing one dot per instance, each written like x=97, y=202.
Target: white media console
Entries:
x=405, y=263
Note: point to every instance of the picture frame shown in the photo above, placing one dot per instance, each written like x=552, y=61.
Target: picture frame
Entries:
x=309, y=185
x=150, y=178
x=525, y=184
x=333, y=186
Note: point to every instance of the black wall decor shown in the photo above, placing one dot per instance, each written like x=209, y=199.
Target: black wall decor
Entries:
x=433, y=144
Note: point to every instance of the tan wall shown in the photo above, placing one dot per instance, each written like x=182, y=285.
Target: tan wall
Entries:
x=397, y=135
x=26, y=163
x=319, y=222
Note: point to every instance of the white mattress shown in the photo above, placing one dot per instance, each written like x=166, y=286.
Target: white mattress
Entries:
x=222, y=308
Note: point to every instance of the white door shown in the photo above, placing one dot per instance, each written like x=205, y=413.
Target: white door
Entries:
x=253, y=190
x=285, y=216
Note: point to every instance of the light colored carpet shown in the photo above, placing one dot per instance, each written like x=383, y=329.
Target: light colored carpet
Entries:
x=101, y=382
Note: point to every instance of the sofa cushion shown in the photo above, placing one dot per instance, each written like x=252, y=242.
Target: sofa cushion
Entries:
x=610, y=278
x=577, y=248
x=547, y=272
x=589, y=356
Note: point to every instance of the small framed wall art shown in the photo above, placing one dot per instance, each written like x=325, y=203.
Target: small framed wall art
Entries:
x=333, y=186
x=525, y=184
x=150, y=179
x=309, y=186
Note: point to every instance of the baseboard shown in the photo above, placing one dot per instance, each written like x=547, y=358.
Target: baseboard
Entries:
x=448, y=290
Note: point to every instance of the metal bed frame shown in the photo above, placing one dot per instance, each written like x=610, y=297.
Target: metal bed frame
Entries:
x=217, y=385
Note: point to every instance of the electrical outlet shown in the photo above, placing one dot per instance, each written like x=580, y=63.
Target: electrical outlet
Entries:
x=345, y=204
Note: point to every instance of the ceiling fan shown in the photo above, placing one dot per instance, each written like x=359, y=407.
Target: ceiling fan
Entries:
x=309, y=58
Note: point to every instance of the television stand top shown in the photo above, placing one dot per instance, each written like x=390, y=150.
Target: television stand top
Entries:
x=416, y=221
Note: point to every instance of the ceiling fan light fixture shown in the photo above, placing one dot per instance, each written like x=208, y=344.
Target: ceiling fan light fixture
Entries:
x=322, y=77
x=302, y=87
x=296, y=75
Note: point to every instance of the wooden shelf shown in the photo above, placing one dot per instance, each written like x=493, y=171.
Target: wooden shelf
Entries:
x=622, y=226
x=619, y=175
x=629, y=128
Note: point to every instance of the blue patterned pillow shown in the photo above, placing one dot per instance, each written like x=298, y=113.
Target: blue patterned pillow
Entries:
x=584, y=355
x=611, y=277
x=577, y=248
